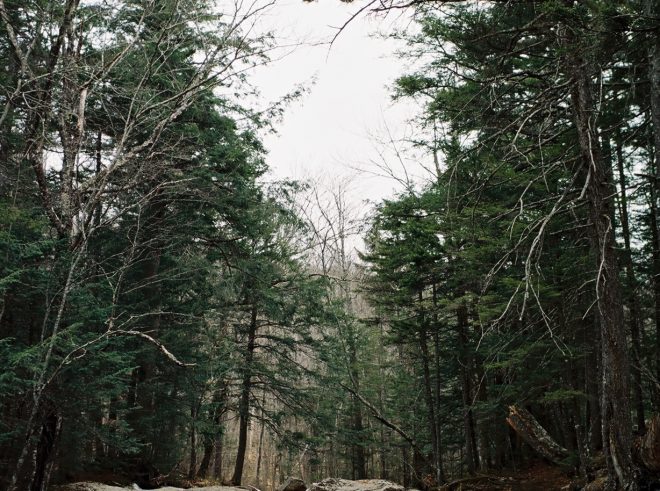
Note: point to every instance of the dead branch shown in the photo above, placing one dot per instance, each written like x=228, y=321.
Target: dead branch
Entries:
x=156, y=343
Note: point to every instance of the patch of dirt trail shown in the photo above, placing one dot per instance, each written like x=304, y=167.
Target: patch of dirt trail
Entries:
x=537, y=477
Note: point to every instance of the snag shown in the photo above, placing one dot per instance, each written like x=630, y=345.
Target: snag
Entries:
x=523, y=423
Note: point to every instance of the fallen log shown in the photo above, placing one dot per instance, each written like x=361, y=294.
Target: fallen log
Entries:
x=493, y=482
x=647, y=447
x=525, y=425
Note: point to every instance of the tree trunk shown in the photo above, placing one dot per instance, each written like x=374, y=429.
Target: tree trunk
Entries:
x=428, y=392
x=384, y=438
x=217, y=460
x=45, y=451
x=218, y=411
x=592, y=375
x=616, y=422
x=632, y=296
x=261, y=440
x=653, y=10
x=655, y=244
x=649, y=446
x=358, y=458
x=465, y=360
x=440, y=474
x=405, y=467
x=213, y=439
x=192, y=470
x=206, y=458
x=529, y=429
x=244, y=404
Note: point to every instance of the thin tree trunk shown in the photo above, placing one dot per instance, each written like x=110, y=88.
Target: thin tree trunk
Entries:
x=45, y=451
x=632, y=296
x=217, y=463
x=381, y=397
x=244, y=404
x=192, y=470
x=213, y=440
x=358, y=458
x=218, y=412
x=261, y=440
x=206, y=458
x=405, y=466
x=592, y=375
x=466, y=390
x=428, y=392
x=440, y=474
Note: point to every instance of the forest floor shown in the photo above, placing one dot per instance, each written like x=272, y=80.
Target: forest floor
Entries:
x=540, y=477
x=537, y=477
x=93, y=486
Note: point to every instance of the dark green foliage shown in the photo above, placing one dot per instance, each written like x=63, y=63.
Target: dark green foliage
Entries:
x=152, y=231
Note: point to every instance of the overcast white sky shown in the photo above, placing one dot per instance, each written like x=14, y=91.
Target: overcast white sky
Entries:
x=334, y=128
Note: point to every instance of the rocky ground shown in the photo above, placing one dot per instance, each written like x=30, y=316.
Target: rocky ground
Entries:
x=93, y=486
x=330, y=484
x=335, y=484
x=538, y=477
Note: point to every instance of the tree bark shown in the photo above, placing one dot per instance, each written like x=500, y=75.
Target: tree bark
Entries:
x=465, y=360
x=653, y=10
x=217, y=459
x=45, y=451
x=244, y=404
x=440, y=474
x=592, y=375
x=617, y=425
x=213, y=439
x=529, y=429
x=649, y=446
x=206, y=458
x=192, y=470
x=358, y=458
x=632, y=296
x=261, y=441
x=428, y=393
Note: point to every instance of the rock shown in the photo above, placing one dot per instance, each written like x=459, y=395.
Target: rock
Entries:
x=292, y=484
x=92, y=486
x=575, y=485
x=599, y=484
x=334, y=484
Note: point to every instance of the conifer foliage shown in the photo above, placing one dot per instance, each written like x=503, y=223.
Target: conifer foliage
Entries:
x=150, y=282
x=522, y=271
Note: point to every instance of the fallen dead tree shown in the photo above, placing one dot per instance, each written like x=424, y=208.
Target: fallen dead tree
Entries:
x=479, y=482
x=647, y=447
x=525, y=425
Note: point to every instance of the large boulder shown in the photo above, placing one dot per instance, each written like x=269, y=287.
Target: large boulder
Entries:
x=335, y=484
x=292, y=484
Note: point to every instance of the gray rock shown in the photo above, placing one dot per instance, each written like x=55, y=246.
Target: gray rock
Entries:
x=334, y=484
x=292, y=484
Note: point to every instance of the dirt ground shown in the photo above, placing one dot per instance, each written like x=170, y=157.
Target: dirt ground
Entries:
x=538, y=477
